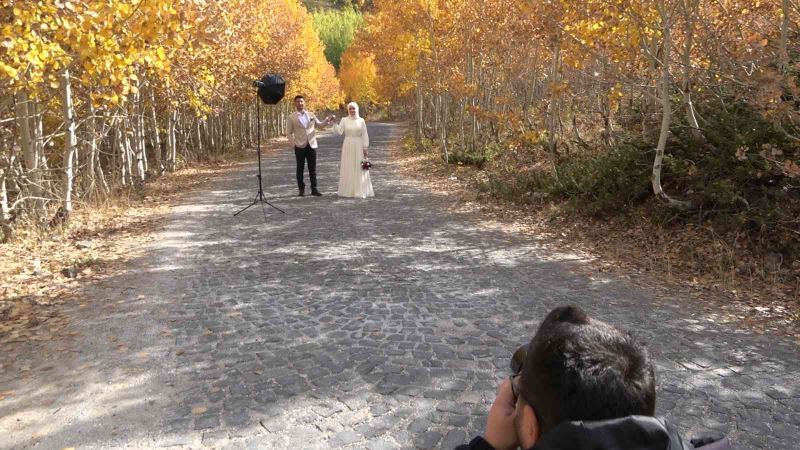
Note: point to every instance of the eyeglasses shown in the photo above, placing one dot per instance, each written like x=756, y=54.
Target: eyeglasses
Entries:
x=517, y=360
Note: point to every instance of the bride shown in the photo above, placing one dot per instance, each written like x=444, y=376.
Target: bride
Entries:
x=353, y=180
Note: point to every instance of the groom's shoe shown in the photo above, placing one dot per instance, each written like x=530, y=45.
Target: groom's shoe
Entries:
x=302, y=193
x=316, y=193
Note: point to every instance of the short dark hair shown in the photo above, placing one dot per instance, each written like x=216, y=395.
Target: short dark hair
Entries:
x=579, y=368
x=298, y=96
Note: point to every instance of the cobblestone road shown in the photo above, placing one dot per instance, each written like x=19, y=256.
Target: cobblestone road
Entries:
x=380, y=324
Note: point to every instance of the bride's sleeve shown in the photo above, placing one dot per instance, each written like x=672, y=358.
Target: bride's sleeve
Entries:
x=340, y=127
x=364, y=134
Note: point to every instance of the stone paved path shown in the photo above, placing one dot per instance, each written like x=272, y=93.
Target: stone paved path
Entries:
x=374, y=324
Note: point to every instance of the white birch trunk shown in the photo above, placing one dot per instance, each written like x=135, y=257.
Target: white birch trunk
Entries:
x=198, y=136
x=554, y=107
x=212, y=139
x=185, y=133
x=5, y=212
x=89, y=182
x=122, y=148
x=129, y=153
x=420, y=120
x=37, y=118
x=690, y=11
x=99, y=168
x=783, y=50
x=70, y=141
x=443, y=131
x=171, y=142
x=666, y=110
x=138, y=146
x=142, y=133
x=28, y=141
x=156, y=138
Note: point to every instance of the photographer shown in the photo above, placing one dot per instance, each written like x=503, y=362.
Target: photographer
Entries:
x=580, y=384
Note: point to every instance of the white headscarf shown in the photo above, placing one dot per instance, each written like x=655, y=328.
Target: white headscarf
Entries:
x=355, y=105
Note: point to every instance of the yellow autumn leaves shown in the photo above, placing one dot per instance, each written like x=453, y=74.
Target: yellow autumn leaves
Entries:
x=193, y=50
x=425, y=42
x=105, y=43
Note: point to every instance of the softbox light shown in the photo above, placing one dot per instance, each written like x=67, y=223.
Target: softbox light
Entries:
x=271, y=88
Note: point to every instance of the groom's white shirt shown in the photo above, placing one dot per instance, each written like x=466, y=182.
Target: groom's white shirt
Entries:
x=303, y=119
x=301, y=133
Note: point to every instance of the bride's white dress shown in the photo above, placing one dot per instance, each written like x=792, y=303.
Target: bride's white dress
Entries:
x=353, y=180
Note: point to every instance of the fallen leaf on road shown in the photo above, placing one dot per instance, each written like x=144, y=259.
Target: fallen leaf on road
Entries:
x=197, y=410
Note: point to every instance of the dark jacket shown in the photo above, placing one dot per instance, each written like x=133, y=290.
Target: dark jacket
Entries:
x=628, y=433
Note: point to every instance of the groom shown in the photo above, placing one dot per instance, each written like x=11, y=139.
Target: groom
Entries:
x=300, y=130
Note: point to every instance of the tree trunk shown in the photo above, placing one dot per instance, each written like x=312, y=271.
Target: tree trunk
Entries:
x=649, y=93
x=171, y=144
x=129, y=154
x=70, y=141
x=462, y=106
x=119, y=145
x=443, y=130
x=28, y=141
x=552, y=143
x=783, y=51
x=212, y=141
x=690, y=14
x=185, y=134
x=198, y=136
x=420, y=114
x=37, y=118
x=138, y=136
x=5, y=212
x=666, y=110
x=99, y=171
x=155, y=133
x=232, y=137
x=89, y=180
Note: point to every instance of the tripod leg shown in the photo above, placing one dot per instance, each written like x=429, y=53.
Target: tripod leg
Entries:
x=245, y=208
x=270, y=204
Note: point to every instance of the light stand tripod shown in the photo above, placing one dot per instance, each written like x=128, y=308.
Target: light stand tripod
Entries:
x=260, y=194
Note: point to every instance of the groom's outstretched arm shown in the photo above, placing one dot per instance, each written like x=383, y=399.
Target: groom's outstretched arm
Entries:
x=321, y=123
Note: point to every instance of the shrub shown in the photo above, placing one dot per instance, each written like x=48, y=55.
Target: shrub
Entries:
x=473, y=157
x=602, y=185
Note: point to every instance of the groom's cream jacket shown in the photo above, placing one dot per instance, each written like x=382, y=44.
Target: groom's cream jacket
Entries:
x=300, y=135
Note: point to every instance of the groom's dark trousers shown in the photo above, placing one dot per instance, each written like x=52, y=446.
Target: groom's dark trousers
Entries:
x=302, y=154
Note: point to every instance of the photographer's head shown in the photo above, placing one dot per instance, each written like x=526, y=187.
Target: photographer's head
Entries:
x=579, y=368
x=299, y=103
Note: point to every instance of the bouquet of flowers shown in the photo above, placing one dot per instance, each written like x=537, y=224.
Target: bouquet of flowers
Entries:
x=365, y=164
